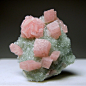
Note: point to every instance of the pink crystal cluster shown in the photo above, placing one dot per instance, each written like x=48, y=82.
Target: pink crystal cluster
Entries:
x=33, y=27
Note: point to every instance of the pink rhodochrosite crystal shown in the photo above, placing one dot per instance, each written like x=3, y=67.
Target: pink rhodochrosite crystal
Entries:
x=16, y=49
x=41, y=47
x=30, y=65
x=50, y=15
x=54, y=29
x=46, y=62
x=32, y=27
x=55, y=55
x=63, y=26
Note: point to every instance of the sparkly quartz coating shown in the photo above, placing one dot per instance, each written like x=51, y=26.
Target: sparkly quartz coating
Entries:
x=43, y=47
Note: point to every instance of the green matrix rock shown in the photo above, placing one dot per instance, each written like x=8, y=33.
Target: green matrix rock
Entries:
x=62, y=44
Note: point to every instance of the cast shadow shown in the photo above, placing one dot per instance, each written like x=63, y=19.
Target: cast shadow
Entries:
x=63, y=74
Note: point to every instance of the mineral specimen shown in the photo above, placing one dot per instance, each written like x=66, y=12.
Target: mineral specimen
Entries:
x=43, y=47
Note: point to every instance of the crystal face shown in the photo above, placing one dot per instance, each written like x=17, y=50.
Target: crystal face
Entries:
x=62, y=44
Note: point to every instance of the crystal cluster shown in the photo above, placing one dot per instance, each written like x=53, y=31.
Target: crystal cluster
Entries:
x=43, y=47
